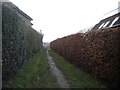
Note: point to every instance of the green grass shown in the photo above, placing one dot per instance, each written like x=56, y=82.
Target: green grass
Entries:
x=36, y=74
x=76, y=77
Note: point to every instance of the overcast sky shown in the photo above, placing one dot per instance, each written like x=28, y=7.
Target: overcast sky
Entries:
x=58, y=18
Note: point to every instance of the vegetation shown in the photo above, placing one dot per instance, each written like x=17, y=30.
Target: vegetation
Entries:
x=13, y=42
x=33, y=42
x=19, y=42
x=76, y=77
x=36, y=74
x=96, y=51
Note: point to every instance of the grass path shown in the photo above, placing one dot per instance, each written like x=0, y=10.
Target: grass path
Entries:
x=76, y=77
x=36, y=74
x=62, y=82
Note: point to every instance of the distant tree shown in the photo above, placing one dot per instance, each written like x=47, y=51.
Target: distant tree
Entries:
x=41, y=32
x=86, y=30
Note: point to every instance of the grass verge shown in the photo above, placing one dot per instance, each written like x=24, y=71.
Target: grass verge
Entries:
x=76, y=77
x=36, y=74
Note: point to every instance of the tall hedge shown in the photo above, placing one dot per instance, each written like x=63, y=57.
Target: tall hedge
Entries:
x=97, y=51
x=34, y=41
x=19, y=42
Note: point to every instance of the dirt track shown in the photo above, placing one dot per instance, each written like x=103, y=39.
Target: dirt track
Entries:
x=62, y=82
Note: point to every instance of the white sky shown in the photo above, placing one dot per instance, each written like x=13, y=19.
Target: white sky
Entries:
x=58, y=18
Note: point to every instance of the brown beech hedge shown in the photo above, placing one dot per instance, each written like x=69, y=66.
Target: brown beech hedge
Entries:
x=97, y=51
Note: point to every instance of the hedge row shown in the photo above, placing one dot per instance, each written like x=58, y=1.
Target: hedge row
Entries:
x=19, y=42
x=33, y=41
x=97, y=51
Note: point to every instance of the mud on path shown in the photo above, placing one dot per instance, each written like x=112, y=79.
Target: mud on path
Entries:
x=61, y=81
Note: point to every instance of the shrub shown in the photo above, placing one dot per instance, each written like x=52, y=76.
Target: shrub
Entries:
x=19, y=42
x=97, y=51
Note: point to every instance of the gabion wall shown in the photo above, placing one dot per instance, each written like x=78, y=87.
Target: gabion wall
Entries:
x=19, y=42
x=97, y=51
